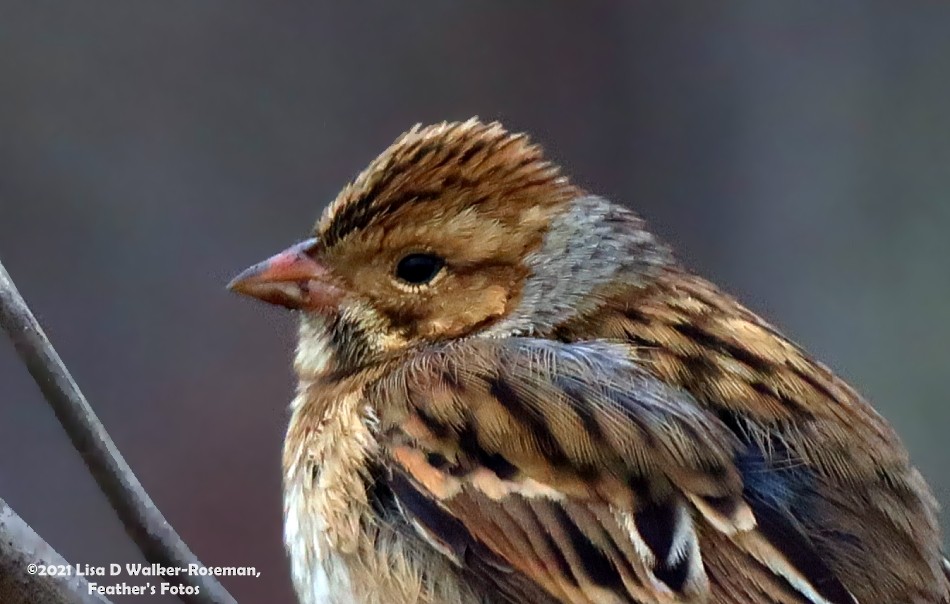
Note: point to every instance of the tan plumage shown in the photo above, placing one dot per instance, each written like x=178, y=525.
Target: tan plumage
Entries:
x=511, y=392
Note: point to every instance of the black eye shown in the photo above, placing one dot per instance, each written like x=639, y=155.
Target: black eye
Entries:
x=418, y=269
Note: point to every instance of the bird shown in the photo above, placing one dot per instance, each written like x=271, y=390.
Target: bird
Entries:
x=510, y=390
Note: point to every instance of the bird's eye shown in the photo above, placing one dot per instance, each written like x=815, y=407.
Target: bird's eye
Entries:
x=418, y=269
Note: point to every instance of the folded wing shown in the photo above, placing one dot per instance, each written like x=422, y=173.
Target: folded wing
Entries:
x=571, y=468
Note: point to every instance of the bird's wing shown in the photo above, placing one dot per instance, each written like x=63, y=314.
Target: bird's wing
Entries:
x=590, y=478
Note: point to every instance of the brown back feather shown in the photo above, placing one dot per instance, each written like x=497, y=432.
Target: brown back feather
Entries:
x=872, y=517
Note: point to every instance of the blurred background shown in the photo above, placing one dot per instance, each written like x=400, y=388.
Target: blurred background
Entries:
x=796, y=153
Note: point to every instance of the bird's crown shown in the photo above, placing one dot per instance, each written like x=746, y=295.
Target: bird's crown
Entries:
x=447, y=169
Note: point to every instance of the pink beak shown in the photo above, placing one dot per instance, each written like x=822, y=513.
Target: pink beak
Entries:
x=292, y=279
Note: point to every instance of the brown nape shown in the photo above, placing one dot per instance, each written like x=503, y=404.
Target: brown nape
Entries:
x=469, y=192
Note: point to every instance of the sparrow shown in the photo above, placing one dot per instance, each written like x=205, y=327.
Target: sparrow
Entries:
x=510, y=391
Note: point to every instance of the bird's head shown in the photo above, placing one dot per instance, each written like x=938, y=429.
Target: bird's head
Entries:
x=456, y=230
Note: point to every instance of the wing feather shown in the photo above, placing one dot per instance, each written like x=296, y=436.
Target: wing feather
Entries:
x=588, y=476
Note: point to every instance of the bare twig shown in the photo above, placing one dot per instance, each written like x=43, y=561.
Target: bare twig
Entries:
x=143, y=522
x=21, y=547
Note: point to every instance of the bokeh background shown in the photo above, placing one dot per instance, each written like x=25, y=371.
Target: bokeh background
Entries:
x=798, y=153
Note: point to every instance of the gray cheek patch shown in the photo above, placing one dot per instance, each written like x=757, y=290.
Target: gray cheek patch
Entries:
x=592, y=244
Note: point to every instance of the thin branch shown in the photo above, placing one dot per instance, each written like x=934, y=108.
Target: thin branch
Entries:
x=143, y=522
x=21, y=547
